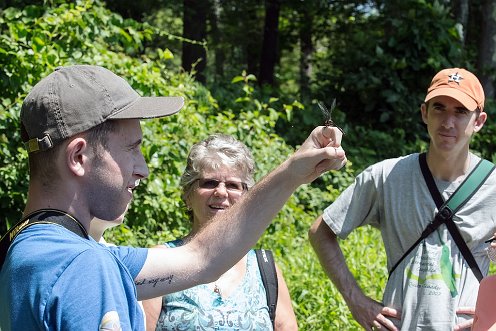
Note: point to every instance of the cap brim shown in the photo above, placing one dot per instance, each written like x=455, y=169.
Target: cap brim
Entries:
x=464, y=99
x=150, y=107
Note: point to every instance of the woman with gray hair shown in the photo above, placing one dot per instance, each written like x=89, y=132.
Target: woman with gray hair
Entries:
x=219, y=171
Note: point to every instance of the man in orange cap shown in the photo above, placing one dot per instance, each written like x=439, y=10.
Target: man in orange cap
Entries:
x=430, y=285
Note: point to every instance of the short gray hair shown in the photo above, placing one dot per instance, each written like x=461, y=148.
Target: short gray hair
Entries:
x=213, y=152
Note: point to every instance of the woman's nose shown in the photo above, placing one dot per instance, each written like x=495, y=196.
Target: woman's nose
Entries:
x=220, y=190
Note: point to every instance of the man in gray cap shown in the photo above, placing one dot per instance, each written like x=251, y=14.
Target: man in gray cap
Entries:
x=432, y=283
x=81, y=127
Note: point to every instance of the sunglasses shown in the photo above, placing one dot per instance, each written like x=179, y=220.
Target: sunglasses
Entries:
x=230, y=185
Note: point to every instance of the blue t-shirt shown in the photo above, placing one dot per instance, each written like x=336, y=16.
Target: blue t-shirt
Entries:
x=52, y=279
x=199, y=308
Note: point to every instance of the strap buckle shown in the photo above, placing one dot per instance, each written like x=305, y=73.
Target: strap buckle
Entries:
x=36, y=144
x=445, y=214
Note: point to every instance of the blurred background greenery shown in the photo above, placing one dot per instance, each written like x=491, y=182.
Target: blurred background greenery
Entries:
x=254, y=69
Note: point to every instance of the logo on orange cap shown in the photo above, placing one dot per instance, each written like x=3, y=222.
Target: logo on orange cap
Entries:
x=459, y=84
x=455, y=78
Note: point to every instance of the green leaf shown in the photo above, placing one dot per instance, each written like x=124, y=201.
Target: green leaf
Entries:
x=167, y=54
x=237, y=79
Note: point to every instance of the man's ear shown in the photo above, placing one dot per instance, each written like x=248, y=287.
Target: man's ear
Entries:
x=77, y=155
x=479, y=121
x=423, y=111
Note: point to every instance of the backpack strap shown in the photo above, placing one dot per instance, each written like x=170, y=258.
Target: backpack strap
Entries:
x=447, y=209
x=462, y=194
x=267, y=268
x=43, y=216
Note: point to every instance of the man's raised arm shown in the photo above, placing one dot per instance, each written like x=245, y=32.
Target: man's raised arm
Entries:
x=230, y=235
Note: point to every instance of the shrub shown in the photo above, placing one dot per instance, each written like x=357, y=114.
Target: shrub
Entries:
x=36, y=39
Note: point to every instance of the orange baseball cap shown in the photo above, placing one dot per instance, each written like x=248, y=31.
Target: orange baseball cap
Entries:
x=459, y=84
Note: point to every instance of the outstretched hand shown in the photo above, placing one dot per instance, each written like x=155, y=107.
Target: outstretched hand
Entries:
x=320, y=152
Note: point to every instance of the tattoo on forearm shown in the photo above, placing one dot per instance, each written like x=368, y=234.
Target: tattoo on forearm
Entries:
x=154, y=281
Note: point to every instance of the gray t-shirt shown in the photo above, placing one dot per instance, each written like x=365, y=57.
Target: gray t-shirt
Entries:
x=433, y=280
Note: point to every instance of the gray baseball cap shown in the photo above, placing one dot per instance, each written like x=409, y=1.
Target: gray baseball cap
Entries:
x=76, y=98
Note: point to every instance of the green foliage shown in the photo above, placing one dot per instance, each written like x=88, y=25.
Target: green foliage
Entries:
x=377, y=59
x=378, y=77
x=36, y=39
x=33, y=42
x=484, y=142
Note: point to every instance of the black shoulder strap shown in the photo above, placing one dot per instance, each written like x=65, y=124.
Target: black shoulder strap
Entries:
x=447, y=209
x=462, y=194
x=43, y=216
x=269, y=278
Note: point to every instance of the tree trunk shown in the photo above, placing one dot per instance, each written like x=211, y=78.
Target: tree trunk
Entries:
x=252, y=36
x=268, y=58
x=219, y=52
x=306, y=51
x=461, y=11
x=486, y=60
x=194, y=56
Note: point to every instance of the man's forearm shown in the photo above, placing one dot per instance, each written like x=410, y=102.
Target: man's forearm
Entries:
x=227, y=238
x=240, y=227
x=233, y=233
x=331, y=257
x=246, y=220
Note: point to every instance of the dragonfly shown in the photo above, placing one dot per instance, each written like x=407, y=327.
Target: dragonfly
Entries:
x=327, y=114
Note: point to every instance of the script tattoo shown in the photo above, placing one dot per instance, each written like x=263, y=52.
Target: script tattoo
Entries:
x=155, y=281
